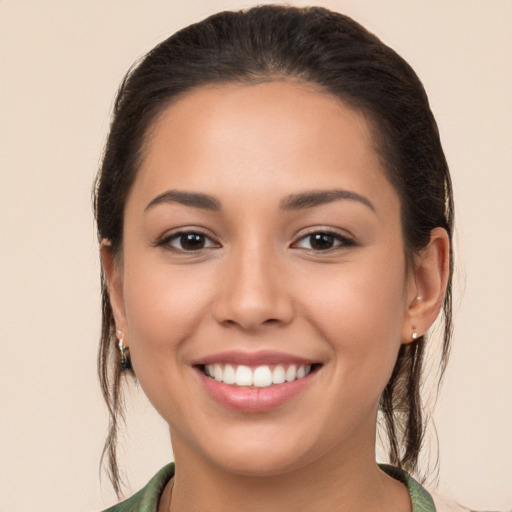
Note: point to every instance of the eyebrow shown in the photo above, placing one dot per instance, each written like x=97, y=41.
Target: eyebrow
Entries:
x=291, y=202
x=320, y=197
x=194, y=199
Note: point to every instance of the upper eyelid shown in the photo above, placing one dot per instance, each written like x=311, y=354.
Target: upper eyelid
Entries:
x=305, y=232
x=344, y=241
x=168, y=236
x=342, y=233
x=185, y=230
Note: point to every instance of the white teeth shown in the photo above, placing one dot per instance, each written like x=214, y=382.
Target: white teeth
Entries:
x=229, y=375
x=278, y=375
x=217, y=372
x=243, y=376
x=261, y=377
x=291, y=373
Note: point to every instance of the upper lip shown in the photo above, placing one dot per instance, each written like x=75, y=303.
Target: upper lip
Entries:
x=266, y=357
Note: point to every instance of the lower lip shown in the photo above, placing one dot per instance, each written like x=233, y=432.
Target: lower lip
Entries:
x=254, y=399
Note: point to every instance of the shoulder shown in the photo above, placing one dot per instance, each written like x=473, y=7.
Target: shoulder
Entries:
x=420, y=498
x=146, y=500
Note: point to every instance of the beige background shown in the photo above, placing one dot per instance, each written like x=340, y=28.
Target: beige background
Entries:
x=61, y=64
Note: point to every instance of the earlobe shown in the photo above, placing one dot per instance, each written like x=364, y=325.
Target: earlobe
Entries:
x=112, y=270
x=431, y=274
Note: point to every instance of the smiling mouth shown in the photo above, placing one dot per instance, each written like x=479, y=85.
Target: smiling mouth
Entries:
x=262, y=376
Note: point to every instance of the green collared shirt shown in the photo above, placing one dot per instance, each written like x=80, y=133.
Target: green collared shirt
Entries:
x=146, y=500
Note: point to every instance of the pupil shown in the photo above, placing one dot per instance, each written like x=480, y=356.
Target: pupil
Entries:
x=322, y=241
x=191, y=241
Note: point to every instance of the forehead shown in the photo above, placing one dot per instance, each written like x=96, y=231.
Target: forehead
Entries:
x=274, y=134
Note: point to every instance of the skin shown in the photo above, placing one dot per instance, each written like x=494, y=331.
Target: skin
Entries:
x=259, y=284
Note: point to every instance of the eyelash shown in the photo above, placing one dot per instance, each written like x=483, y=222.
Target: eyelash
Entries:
x=342, y=241
x=166, y=241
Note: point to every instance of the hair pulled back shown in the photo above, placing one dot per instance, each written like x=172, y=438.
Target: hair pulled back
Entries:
x=316, y=46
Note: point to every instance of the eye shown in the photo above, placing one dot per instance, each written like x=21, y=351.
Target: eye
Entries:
x=323, y=241
x=188, y=241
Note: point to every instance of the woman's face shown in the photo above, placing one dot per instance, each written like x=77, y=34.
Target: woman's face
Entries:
x=262, y=243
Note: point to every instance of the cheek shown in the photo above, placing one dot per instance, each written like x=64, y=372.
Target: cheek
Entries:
x=359, y=310
x=164, y=305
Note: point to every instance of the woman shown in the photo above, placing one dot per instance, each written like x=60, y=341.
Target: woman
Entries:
x=275, y=217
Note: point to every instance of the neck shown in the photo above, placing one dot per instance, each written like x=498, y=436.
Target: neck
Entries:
x=352, y=482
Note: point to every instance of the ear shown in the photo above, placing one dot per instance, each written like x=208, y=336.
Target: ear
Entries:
x=427, y=285
x=113, y=271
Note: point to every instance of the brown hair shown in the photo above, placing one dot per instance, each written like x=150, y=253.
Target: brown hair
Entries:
x=316, y=46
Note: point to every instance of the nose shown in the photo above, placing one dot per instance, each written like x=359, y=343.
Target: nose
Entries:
x=253, y=291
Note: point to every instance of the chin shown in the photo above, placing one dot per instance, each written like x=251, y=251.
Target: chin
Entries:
x=259, y=455
x=260, y=463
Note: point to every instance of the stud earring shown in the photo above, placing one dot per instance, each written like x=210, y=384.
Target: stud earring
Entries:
x=123, y=349
x=414, y=335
